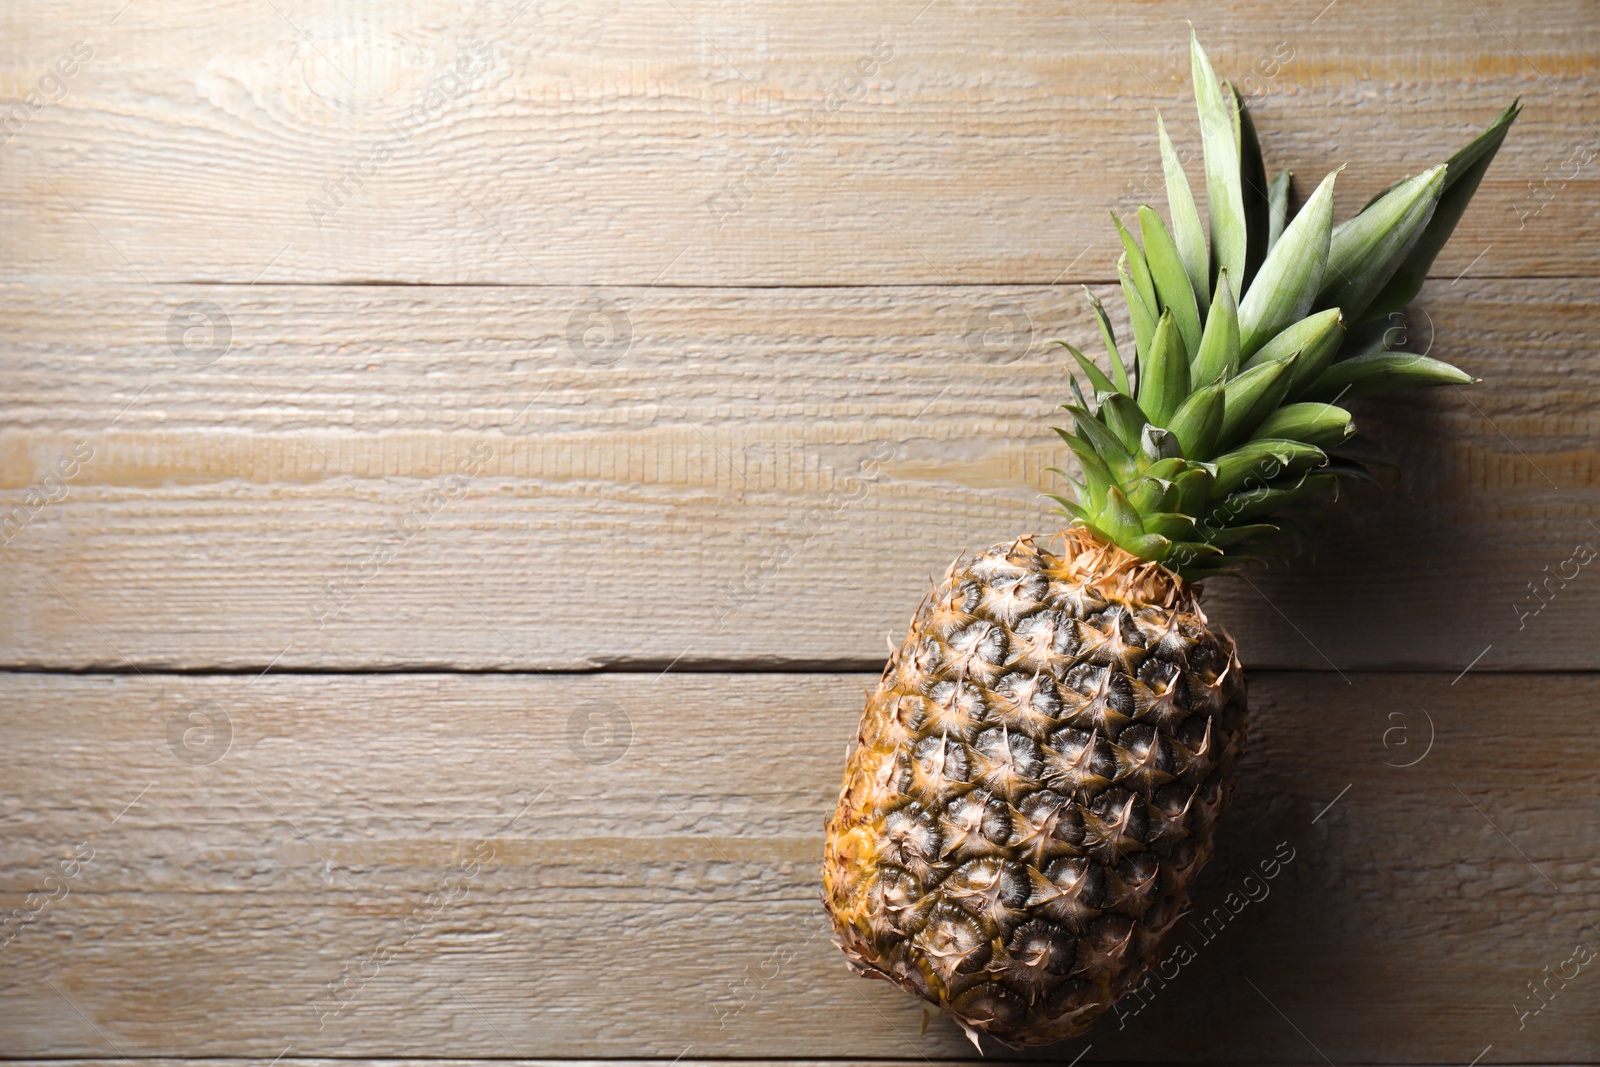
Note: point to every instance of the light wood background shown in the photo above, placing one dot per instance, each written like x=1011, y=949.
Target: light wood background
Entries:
x=462, y=463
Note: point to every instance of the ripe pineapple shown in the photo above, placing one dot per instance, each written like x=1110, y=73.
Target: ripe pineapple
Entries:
x=1038, y=777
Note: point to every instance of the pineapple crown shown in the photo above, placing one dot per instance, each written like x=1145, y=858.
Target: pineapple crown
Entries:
x=1243, y=350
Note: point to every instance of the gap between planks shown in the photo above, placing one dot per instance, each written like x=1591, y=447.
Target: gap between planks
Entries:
x=664, y=668
x=380, y=283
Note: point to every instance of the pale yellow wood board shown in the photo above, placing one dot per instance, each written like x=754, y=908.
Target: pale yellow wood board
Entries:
x=762, y=476
x=665, y=903
x=696, y=142
x=621, y=509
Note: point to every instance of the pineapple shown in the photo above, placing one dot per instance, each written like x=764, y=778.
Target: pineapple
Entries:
x=1038, y=777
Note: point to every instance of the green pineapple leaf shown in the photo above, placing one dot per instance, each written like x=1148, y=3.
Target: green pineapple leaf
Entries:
x=1194, y=488
x=1229, y=536
x=1367, y=250
x=1147, y=496
x=1186, y=229
x=1171, y=283
x=1292, y=275
x=1224, y=187
x=1166, y=470
x=1382, y=373
x=1150, y=546
x=1097, y=378
x=1097, y=476
x=1138, y=267
x=1218, y=358
x=1198, y=420
x=1171, y=525
x=1253, y=504
x=1140, y=313
x=1163, y=372
x=1351, y=471
x=1119, y=369
x=1278, y=206
x=1077, y=391
x=1316, y=337
x=1253, y=188
x=1121, y=516
x=1251, y=397
x=1069, y=508
x=1123, y=417
x=1309, y=422
x=1105, y=444
x=1263, y=460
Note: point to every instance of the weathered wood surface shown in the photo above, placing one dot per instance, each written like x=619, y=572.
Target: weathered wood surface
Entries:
x=730, y=350
x=757, y=476
x=997, y=1060
x=696, y=142
x=648, y=882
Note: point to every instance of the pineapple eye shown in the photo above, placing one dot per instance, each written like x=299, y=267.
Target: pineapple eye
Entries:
x=996, y=823
x=967, y=596
x=985, y=885
x=941, y=757
x=1120, y=820
x=1054, y=624
x=994, y=1005
x=1139, y=874
x=912, y=835
x=898, y=890
x=983, y=641
x=1108, y=944
x=1143, y=743
x=1041, y=946
x=1076, y=600
x=1016, y=753
x=1009, y=598
x=1078, y=746
x=957, y=707
x=909, y=713
x=976, y=824
x=1051, y=810
x=1160, y=674
x=1098, y=698
x=1024, y=693
x=953, y=943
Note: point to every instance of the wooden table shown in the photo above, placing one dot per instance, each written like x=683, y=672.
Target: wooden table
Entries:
x=468, y=458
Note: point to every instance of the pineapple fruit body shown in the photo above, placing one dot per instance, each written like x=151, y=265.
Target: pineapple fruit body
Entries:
x=1035, y=786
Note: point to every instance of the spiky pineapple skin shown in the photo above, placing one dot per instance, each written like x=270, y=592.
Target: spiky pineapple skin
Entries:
x=1035, y=786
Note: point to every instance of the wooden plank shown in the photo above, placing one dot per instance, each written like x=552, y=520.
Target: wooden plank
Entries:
x=696, y=142
x=687, y=1061
x=761, y=477
x=664, y=902
x=394, y=1061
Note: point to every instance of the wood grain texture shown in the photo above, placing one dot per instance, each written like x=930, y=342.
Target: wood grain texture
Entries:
x=665, y=902
x=998, y=1060
x=761, y=477
x=695, y=142
x=718, y=328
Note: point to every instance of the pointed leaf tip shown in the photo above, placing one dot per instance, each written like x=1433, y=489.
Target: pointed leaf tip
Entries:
x=1464, y=171
x=1224, y=184
x=1368, y=250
